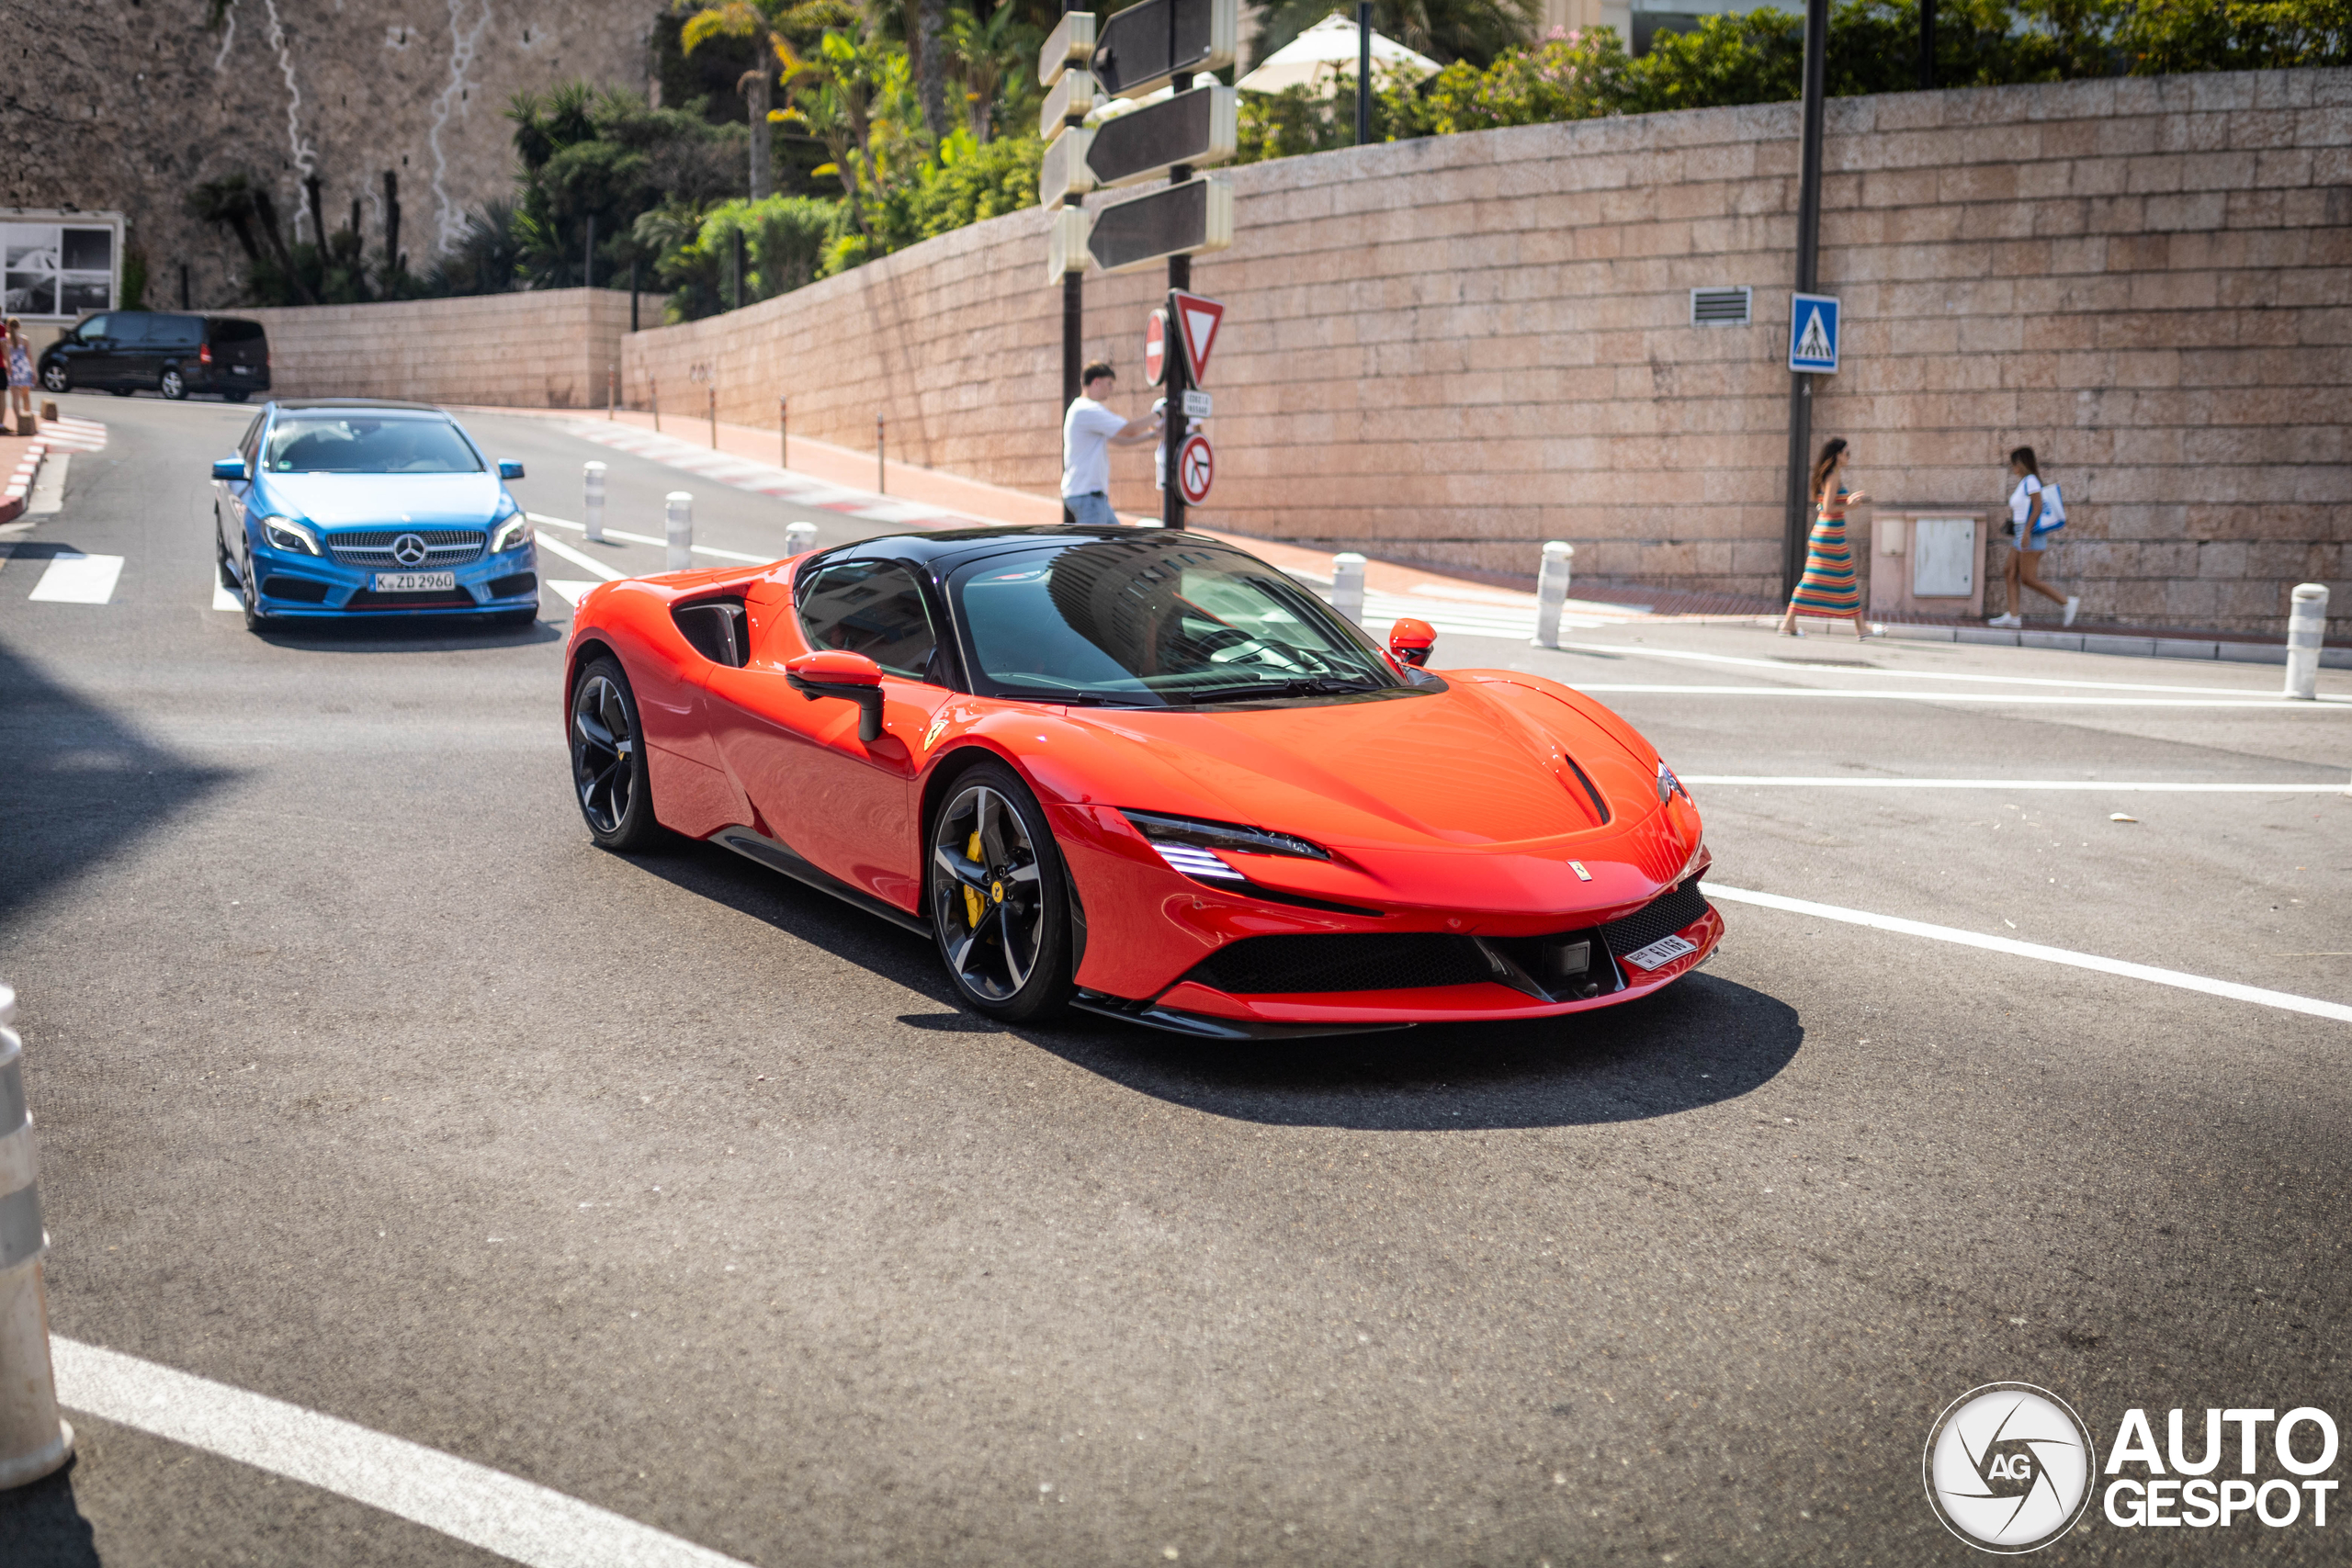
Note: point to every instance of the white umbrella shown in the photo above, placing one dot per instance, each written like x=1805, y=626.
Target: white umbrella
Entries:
x=1328, y=49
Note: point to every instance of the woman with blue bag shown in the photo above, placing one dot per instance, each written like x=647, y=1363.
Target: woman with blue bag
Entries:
x=2036, y=512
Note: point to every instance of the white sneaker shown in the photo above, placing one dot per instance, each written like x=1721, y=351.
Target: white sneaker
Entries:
x=2072, y=604
x=2006, y=623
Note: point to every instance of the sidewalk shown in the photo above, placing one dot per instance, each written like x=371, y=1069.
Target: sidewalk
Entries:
x=840, y=478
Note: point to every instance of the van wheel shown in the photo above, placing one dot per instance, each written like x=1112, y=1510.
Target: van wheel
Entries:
x=172, y=386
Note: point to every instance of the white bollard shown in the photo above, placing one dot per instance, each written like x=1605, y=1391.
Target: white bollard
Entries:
x=2306, y=625
x=33, y=1440
x=1347, y=585
x=1551, y=592
x=799, y=538
x=592, y=500
x=678, y=523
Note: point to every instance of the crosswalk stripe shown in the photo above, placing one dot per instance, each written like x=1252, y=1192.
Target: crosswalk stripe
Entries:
x=77, y=578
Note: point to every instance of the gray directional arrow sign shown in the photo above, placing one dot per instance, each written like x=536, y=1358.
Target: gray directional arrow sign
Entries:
x=1201, y=127
x=1198, y=128
x=1171, y=220
x=1152, y=40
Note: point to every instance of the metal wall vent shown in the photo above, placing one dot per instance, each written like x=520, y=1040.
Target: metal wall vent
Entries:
x=1719, y=307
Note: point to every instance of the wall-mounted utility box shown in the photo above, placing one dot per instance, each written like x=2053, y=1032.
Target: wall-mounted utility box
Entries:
x=1927, y=561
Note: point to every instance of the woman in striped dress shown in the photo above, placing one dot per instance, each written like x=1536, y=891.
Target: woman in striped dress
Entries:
x=1829, y=586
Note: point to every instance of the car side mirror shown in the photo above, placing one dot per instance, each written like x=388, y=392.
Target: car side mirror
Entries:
x=231, y=469
x=1409, y=641
x=852, y=677
x=510, y=469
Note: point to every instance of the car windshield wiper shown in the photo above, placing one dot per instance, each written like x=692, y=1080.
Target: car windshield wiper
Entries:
x=1310, y=686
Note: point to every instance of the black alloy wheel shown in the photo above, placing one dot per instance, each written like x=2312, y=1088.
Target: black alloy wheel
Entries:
x=172, y=386
x=221, y=556
x=53, y=376
x=608, y=760
x=998, y=903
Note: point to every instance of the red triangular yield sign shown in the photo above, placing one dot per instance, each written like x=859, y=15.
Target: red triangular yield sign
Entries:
x=1200, y=318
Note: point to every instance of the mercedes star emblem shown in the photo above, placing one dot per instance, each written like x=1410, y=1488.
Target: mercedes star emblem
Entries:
x=409, y=548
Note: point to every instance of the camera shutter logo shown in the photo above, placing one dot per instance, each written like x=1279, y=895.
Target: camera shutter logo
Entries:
x=2008, y=1468
x=409, y=548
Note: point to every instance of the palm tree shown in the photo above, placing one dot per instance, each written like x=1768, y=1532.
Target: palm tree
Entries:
x=756, y=22
x=234, y=202
x=984, y=55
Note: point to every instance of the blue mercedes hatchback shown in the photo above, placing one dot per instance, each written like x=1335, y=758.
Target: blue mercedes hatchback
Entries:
x=357, y=507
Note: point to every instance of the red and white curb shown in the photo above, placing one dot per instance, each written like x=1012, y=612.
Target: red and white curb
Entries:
x=766, y=479
x=57, y=436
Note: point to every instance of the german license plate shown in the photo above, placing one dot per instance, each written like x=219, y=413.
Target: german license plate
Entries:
x=415, y=581
x=1660, y=954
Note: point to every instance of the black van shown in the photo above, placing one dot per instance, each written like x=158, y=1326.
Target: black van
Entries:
x=131, y=351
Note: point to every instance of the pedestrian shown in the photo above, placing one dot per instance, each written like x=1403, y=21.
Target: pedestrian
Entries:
x=20, y=374
x=1088, y=431
x=1829, y=586
x=2037, y=511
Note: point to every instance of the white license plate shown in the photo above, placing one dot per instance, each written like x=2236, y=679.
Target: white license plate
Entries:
x=1660, y=954
x=242, y=369
x=415, y=581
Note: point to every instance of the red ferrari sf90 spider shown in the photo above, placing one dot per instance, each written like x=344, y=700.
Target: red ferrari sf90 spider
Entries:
x=1145, y=773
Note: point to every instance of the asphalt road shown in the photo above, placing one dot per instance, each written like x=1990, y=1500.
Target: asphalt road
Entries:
x=366, y=1083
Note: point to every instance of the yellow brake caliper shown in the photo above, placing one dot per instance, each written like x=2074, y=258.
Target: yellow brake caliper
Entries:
x=973, y=909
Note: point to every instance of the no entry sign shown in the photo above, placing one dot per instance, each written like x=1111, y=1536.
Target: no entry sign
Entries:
x=1155, y=349
x=1195, y=468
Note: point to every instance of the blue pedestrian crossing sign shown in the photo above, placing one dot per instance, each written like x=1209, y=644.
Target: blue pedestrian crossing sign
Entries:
x=1813, y=333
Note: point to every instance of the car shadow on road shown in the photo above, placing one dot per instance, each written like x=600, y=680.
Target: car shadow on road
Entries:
x=80, y=784
x=1702, y=1040
x=43, y=1528
x=426, y=633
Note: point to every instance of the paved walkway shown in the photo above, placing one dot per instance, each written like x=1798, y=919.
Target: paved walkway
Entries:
x=840, y=478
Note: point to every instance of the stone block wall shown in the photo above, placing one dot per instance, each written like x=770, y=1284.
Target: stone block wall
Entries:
x=553, y=349
x=1452, y=350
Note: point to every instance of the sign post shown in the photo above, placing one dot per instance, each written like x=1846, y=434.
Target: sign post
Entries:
x=1150, y=43
x=1799, y=521
x=1066, y=107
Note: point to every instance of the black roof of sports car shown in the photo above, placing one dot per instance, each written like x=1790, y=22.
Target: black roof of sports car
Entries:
x=948, y=547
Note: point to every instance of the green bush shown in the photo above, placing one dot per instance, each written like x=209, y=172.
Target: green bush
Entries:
x=786, y=242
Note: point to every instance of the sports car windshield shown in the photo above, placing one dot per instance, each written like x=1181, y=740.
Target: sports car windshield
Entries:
x=353, y=442
x=1151, y=624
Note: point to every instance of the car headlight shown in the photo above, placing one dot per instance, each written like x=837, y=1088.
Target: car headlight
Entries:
x=286, y=534
x=511, y=535
x=1187, y=844
x=1668, y=784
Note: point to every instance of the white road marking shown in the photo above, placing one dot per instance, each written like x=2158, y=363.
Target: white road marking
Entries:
x=582, y=559
x=648, y=539
x=2087, y=786
x=567, y=590
x=76, y=579
x=1827, y=666
x=517, y=1519
x=224, y=598
x=48, y=489
x=2338, y=1011
x=2249, y=700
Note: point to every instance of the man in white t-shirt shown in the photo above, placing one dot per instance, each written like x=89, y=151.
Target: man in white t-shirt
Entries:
x=1088, y=431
